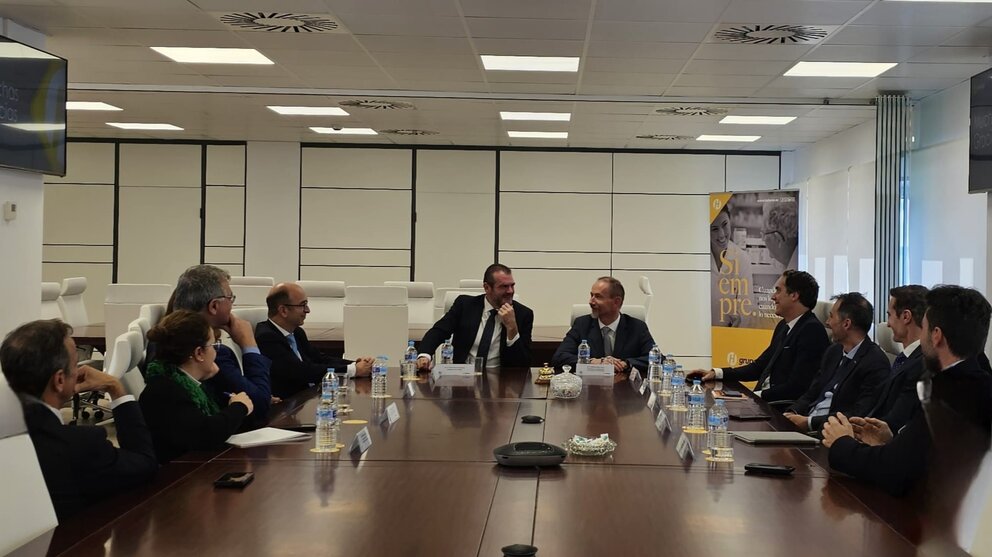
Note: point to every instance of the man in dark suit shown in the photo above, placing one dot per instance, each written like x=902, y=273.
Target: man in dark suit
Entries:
x=786, y=368
x=613, y=337
x=851, y=370
x=490, y=326
x=955, y=327
x=296, y=364
x=79, y=463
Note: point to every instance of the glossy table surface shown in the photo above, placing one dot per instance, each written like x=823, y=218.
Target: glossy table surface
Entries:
x=430, y=484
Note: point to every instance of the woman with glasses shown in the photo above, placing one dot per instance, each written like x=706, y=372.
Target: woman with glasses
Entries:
x=731, y=280
x=181, y=415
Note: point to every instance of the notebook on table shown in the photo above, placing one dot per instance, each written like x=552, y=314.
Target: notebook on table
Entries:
x=746, y=409
x=775, y=438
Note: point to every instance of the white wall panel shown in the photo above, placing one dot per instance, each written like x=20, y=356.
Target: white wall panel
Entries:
x=355, y=276
x=558, y=172
x=444, y=171
x=357, y=168
x=225, y=217
x=272, y=190
x=661, y=223
x=355, y=218
x=87, y=163
x=155, y=164
x=97, y=279
x=79, y=214
x=679, y=261
x=355, y=257
x=159, y=234
x=551, y=293
x=555, y=260
x=752, y=172
x=94, y=254
x=20, y=249
x=554, y=222
x=226, y=165
x=223, y=255
x=667, y=173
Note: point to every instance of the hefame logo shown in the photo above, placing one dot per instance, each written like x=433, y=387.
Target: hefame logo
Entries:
x=732, y=358
x=717, y=203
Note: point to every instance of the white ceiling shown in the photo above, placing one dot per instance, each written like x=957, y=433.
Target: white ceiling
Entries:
x=636, y=56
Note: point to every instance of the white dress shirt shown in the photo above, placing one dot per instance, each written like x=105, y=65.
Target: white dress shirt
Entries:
x=352, y=369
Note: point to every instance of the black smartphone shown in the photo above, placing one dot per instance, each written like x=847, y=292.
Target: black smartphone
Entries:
x=730, y=393
x=769, y=469
x=235, y=479
x=300, y=427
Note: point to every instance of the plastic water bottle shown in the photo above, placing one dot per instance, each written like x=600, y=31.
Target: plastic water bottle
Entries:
x=379, y=370
x=327, y=424
x=678, y=390
x=410, y=361
x=447, y=352
x=696, y=420
x=718, y=439
x=329, y=385
x=667, y=370
x=654, y=364
x=584, y=352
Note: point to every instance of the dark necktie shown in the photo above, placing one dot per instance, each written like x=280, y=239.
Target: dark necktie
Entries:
x=778, y=341
x=900, y=360
x=829, y=386
x=487, y=336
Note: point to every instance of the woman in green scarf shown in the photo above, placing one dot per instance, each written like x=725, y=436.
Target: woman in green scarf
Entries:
x=179, y=413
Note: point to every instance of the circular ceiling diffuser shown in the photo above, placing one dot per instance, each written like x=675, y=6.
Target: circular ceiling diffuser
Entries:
x=770, y=34
x=411, y=132
x=691, y=111
x=664, y=137
x=279, y=22
x=377, y=105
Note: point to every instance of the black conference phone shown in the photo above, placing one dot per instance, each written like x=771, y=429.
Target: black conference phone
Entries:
x=529, y=453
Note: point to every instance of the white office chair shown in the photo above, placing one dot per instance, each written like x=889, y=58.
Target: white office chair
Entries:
x=822, y=312
x=578, y=310
x=153, y=313
x=326, y=299
x=375, y=322
x=129, y=352
x=885, y=341
x=123, y=304
x=250, y=296
x=451, y=295
x=28, y=515
x=440, y=295
x=645, y=285
x=141, y=325
x=252, y=281
x=252, y=315
x=71, y=301
x=420, y=302
x=470, y=283
x=50, y=300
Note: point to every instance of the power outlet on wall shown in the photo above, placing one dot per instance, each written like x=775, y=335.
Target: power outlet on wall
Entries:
x=9, y=211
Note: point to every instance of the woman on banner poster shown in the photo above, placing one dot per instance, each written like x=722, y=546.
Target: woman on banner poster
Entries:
x=730, y=273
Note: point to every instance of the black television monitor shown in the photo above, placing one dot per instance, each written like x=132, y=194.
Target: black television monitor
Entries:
x=32, y=108
x=980, y=134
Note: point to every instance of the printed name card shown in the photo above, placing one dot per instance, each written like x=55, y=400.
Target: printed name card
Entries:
x=447, y=370
x=653, y=401
x=409, y=391
x=661, y=423
x=684, y=447
x=602, y=370
x=644, y=387
x=362, y=441
x=393, y=413
x=635, y=376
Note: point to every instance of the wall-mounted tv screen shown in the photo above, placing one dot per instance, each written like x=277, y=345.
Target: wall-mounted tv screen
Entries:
x=32, y=109
x=980, y=134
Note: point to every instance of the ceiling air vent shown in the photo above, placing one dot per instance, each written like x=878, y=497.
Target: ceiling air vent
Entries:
x=281, y=22
x=410, y=132
x=377, y=105
x=664, y=137
x=771, y=34
x=691, y=111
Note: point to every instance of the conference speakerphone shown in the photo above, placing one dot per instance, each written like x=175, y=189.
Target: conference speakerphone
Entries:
x=529, y=453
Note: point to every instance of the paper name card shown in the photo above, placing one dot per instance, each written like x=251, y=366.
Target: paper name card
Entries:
x=409, y=391
x=635, y=376
x=447, y=370
x=602, y=370
x=661, y=423
x=684, y=447
x=361, y=442
x=644, y=387
x=393, y=413
x=653, y=401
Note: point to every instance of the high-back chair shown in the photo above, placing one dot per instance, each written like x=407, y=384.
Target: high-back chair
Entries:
x=420, y=302
x=71, y=301
x=578, y=310
x=123, y=304
x=452, y=294
x=50, y=300
x=822, y=311
x=326, y=299
x=28, y=514
x=885, y=341
x=252, y=315
x=129, y=352
x=375, y=322
x=252, y=281
x=249, y=296
x=470, y=283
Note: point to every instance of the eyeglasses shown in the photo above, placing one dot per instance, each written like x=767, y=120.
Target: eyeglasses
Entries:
x=303, y=304
x=232, y=297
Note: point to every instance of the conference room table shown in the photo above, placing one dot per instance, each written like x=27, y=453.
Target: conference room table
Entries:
x=428, y=485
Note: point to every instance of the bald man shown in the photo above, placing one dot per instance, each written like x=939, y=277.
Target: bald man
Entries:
x=296, y=364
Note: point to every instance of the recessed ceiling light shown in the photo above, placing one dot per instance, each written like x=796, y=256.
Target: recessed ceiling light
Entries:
x=89, y=105
x=139, y=126
x=37, y=127
x=758, y=120
x=538, y=135
x=839, y=69
x=193, y=55
x=531, y=63
x=345, y=131
x=308, y=110
x=729, y=138
x=540, y=116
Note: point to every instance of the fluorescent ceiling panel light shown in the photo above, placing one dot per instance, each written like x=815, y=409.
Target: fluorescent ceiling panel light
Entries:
x=729, y=138
x=537, y=116
x=531, y=63
x=15, y=50
x=192, y=55
x=538, y=135
x=839, y=69
x=948, y=1
x=139, y=126
x=37, y=127
x=308, y=110
x=346, y=131
x=758, y=120
x=89, y=105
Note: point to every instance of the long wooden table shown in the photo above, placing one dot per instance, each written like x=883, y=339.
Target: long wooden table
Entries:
x=429, y=486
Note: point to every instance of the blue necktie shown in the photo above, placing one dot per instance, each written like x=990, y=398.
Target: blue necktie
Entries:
x=900, y=360
x=292, y=344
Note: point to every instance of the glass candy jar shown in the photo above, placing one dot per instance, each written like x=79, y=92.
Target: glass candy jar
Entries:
x=566, y=385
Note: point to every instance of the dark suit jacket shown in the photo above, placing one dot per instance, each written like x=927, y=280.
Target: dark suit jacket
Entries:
x=793, y=368
x=179, y=426
x=79, y=463
x=856, y=383
x=897, y=397
x=631, y=343
x=965, y=389
x=463, y=321
x=290, y=375
x=254, y=381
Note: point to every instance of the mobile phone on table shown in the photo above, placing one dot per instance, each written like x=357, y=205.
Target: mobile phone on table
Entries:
x=769, y=469
x=235, y=479
x=731, y=393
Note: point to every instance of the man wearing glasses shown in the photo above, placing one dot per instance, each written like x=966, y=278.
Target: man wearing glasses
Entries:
x=205, y=289
x=781, y=235
x=296, y=364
